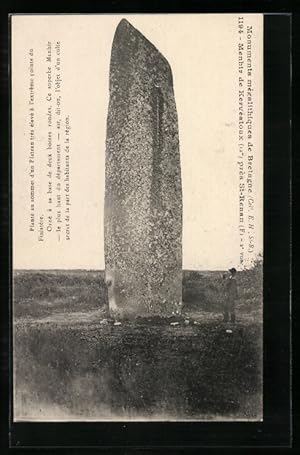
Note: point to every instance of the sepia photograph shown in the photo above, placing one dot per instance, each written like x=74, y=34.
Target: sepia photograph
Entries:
x=137, y=209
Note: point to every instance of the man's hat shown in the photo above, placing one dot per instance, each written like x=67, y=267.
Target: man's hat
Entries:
x=233, y=270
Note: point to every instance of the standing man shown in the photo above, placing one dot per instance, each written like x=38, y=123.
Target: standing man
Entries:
x=231, y=296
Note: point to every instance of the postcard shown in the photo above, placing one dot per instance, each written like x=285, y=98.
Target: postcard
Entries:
x=137, y=201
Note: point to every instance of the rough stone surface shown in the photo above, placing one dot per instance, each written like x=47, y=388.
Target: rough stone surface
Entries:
x=143, y=195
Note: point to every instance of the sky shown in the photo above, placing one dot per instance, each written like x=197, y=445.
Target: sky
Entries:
x=203, y=54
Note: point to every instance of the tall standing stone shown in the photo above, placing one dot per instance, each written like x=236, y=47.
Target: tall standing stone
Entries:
x=143, y=195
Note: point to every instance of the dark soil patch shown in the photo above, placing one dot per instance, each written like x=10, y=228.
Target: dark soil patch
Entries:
x=137, y=371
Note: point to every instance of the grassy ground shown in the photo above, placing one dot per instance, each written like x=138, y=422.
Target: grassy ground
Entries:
x=70, y=366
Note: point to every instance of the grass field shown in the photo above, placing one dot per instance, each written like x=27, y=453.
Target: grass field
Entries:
x=70, y=366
